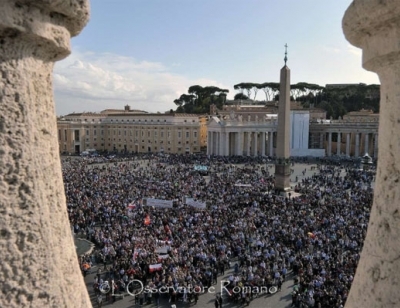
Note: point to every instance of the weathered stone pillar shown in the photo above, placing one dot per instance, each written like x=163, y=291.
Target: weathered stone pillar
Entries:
x=348, y=144
x=375, y=145
x=338, y=144
x=366, y=144
x=374, y=26
x=38, y=261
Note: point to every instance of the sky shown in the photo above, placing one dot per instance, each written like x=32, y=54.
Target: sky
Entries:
x=146, y=53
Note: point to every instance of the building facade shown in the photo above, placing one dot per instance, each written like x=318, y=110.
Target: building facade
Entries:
x=132, y=131
x=251, y=130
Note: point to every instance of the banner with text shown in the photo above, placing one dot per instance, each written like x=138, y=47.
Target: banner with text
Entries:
x=160, y=203
x=195, y=203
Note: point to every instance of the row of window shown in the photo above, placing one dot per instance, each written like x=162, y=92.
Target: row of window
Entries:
x=131, y=147
x=139, y=120
x=142, y=141
x=77, y=136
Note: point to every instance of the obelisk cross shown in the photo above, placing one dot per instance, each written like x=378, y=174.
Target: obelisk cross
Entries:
x=286, y=46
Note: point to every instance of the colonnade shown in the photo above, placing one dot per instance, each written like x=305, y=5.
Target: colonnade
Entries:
x=353, y=146
x=247, y=143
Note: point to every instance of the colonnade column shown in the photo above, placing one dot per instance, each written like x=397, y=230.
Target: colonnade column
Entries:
x=348, y=144
x=222, y=143
x=329, y=144
x=321, y=140
x=357, y=149
x=366, y=143
x=240, y=142
x=255, y=143
x=226, y=142
x=339, y=144
x=209, y=143
x=375, y=145
x=271, y=143
x=248, y=143
x=263, y=144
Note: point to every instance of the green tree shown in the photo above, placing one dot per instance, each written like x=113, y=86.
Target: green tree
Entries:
x=270, y=89
x=241, y=96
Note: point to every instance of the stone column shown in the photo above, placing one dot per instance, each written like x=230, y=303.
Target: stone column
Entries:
x=357, y=148
x=212, y=143
x=255, y=143
x=375, y=145
x=209, y=142
x=329, y=144
x=38, y=261
x=263, y=143
x=374, y=26
x=321, y=140
x=220, y=144
x=240, y=143
x=227, y=144
x=348, y=144
x=366, y=144
x=248, y=143
x=271, y=143
x=338, y=144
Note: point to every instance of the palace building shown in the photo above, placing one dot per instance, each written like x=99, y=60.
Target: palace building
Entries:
x=130, y=131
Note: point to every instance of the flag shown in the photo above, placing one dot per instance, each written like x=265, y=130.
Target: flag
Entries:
x=147, y=220
x=131, y=206
x=162, y=257
x=155, y=267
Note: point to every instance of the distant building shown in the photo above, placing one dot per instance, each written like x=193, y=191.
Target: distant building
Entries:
x=252, y=130
x=354, y=135
x=127, y=130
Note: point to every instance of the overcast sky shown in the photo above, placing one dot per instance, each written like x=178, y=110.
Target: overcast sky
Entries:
x=146, y=53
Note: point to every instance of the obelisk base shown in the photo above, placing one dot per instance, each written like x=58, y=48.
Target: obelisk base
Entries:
x=282, y=178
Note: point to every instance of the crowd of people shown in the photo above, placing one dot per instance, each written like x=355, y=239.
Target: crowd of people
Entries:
x=316, y=234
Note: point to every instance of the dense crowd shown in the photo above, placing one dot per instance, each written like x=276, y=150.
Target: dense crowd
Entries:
x=317, y=236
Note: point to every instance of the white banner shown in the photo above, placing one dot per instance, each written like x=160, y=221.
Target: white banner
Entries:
x=162, y=250
x=195, y=203
x=155, y=267
x=160, y=203
x=162, y=257
x=243, y=185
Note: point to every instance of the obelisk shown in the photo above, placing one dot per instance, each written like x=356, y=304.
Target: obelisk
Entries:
x=282, y=165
